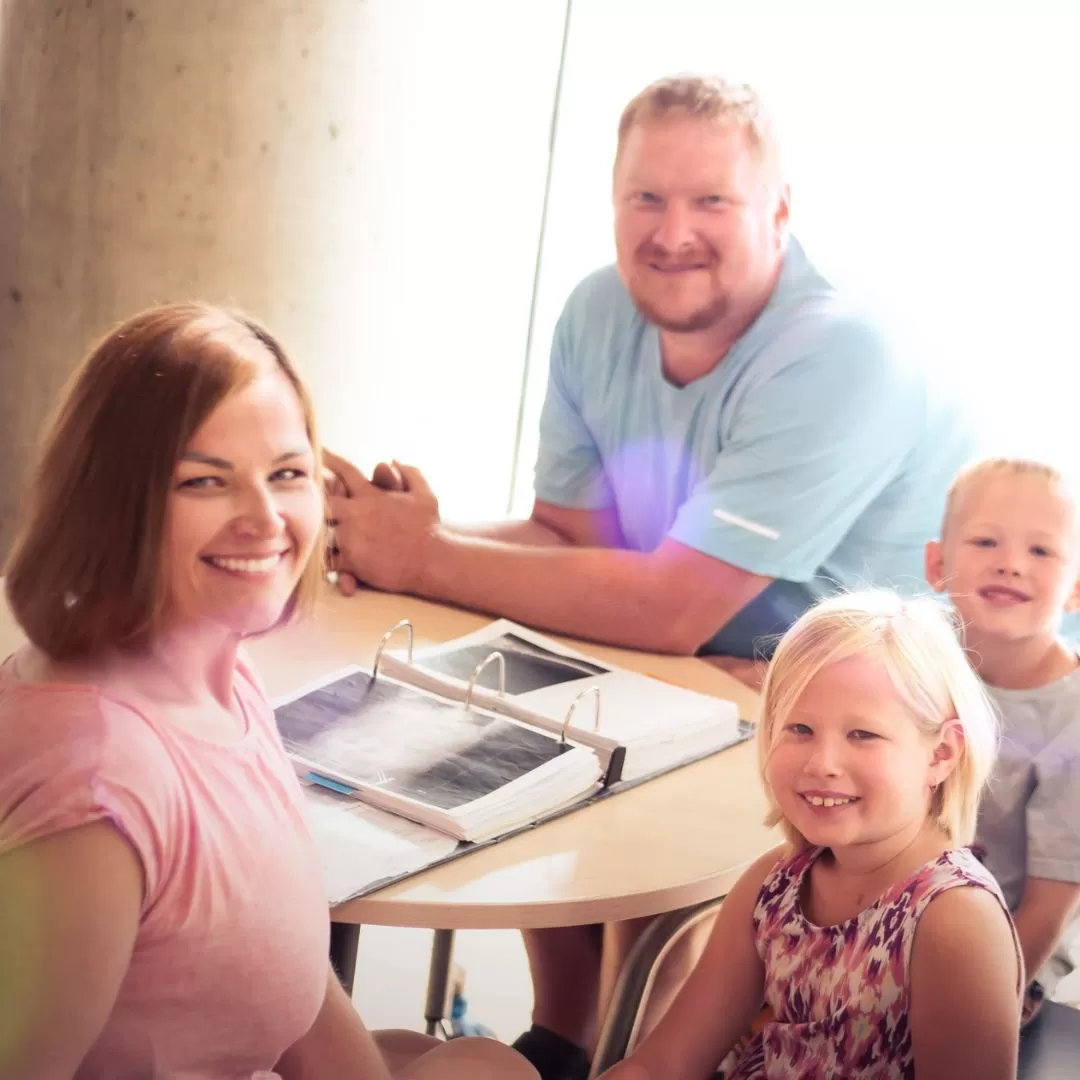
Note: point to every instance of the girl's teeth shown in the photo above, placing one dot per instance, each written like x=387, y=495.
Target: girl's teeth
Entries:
x=817, y=800
x=248, y=566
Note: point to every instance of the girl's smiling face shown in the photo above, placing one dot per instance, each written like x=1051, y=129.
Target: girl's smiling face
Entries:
x=850, y=764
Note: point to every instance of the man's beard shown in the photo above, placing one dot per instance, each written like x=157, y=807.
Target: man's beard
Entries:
x=701, y=319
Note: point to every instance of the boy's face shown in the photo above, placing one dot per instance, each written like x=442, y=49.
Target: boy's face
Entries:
x=1010, y=557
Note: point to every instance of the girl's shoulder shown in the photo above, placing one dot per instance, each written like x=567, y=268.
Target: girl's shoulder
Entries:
x=955, y=867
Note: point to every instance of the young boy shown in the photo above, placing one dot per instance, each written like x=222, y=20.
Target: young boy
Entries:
x=1009, y=558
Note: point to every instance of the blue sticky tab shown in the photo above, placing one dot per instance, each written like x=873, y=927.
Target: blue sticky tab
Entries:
x=333, y=785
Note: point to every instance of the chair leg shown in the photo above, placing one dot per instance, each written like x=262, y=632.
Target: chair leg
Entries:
x=438, y=987
x=344, y=942
x=631, y=991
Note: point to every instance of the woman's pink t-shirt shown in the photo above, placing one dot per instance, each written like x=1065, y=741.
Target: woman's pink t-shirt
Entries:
x=230, y=962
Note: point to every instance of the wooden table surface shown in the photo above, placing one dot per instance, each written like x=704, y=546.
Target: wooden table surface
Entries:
x=668, y=843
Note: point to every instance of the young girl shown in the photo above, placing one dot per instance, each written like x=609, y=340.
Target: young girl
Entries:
x=161, y=907
x=881, y=945
x=1009, y=557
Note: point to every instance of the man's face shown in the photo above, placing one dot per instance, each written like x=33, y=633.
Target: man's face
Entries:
x=698, y=222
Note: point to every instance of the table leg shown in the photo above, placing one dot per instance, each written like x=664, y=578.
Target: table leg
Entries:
x=344, y=941
x=643, y=960
x=442, y=956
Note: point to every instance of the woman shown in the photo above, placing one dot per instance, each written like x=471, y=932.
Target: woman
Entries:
x=160, y=897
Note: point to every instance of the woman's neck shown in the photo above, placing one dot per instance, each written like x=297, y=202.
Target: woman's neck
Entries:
x=1019, y=664
x=188, y=665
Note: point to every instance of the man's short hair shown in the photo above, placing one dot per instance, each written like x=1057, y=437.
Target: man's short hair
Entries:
x=86, y=571
x=706, y=97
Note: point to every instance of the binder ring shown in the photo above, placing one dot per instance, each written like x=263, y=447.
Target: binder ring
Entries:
x=593, y=690
x=403, y=625
x=501, y=660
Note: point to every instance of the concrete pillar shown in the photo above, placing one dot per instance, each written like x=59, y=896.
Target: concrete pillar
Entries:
x=254, y=152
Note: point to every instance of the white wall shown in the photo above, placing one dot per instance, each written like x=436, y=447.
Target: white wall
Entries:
x=445, y=207
x=933, y=153
x=366, y=176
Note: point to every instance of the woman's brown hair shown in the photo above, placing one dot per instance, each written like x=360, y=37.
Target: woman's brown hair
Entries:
x=85, y=570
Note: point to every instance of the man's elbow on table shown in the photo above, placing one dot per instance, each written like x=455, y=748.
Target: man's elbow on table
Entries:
x=691, y=596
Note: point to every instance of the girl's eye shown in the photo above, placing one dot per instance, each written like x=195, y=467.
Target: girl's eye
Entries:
x=859, y=735
x=799, y=729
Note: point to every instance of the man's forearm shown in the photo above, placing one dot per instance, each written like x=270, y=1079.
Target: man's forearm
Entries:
x=612, y=596
x=527, y=532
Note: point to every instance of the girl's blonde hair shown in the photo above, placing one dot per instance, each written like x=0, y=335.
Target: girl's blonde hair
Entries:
x=917, y=644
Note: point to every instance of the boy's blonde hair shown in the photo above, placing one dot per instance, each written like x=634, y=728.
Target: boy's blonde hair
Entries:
x=983, y=468
x=917, y=644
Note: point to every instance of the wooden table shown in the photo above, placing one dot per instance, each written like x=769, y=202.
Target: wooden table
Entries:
x=667, y=844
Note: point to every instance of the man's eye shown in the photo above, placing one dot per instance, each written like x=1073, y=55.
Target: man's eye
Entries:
x=1041, y=552
x=648, y=197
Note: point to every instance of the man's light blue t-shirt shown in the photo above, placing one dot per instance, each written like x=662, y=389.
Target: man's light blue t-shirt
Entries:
x=812, y=453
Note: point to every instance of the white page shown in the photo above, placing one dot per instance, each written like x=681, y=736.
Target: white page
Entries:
x=359, y=845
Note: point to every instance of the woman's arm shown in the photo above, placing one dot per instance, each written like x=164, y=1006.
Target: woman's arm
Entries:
x=724, y=993
x=69, y=913
x=965, y=980
x=337, y=1045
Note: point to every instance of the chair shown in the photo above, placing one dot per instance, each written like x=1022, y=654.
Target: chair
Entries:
x=1050, y=1046
x=622, y=1024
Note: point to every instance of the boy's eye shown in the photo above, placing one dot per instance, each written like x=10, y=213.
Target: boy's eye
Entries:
x=984, y=542
x=1040, y=551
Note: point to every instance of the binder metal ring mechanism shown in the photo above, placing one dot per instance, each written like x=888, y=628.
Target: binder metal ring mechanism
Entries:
x=476, y=671
x=595, y=692
x=403, y=625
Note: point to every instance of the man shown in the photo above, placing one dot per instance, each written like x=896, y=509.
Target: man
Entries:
x=722, y=441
